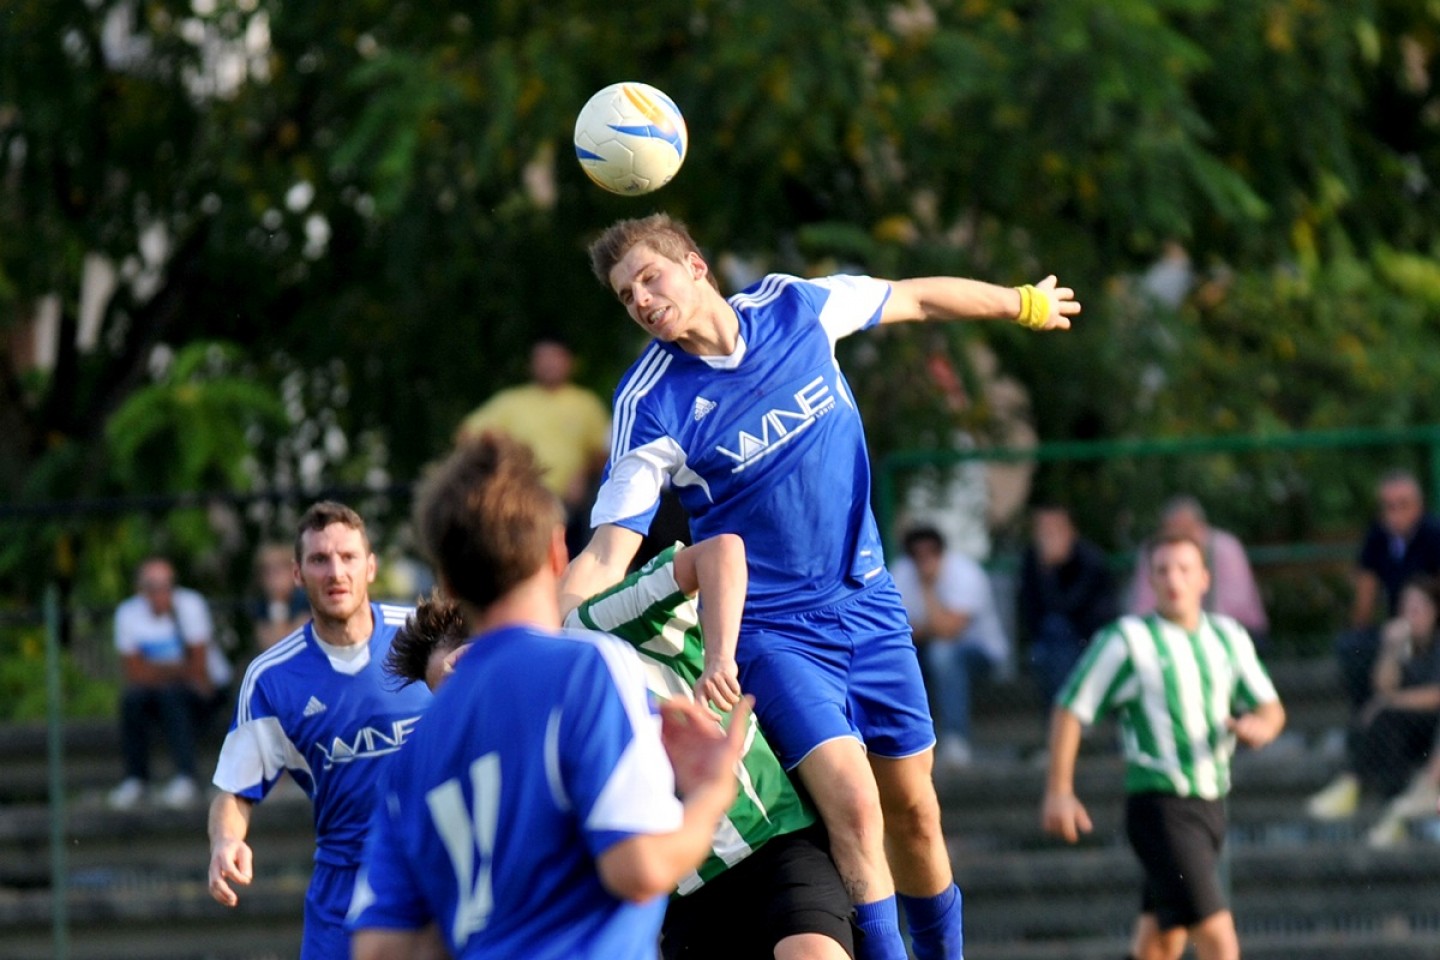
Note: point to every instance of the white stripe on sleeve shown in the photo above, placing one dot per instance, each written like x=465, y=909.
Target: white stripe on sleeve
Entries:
x=639, y=796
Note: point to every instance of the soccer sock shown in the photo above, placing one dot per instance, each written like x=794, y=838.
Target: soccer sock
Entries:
x=936, y=925
x=879, y=922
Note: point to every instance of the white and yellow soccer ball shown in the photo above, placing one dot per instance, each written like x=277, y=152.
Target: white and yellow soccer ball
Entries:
x=630, y=138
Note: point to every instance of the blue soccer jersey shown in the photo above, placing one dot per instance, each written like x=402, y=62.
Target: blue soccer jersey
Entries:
x=330, y=723
x=766, y=443
x=541, y=753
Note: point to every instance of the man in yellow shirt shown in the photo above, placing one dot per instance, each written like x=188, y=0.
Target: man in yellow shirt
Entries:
x=567, y=426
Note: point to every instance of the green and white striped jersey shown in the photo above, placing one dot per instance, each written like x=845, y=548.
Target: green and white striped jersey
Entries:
x=1172, y=692
x=649, y=610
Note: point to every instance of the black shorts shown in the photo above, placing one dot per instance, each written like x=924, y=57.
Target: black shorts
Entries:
x=787, y=887
x=1178, y=841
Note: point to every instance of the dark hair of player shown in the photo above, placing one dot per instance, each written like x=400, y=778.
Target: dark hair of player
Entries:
x=322, y=515
x=436, y=624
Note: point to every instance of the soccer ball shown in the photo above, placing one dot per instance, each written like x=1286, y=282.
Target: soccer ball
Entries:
x=630, y=138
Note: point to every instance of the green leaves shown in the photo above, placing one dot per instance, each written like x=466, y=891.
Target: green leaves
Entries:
x=388, y=189
x=195, y=427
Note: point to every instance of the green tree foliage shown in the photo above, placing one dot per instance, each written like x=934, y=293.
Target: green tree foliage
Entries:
x=380, y=197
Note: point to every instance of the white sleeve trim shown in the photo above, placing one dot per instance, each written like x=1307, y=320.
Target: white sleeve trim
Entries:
x=639, y=796
x=853, y=304
x=1099, y=677
x=638, y=477
x=254, y=753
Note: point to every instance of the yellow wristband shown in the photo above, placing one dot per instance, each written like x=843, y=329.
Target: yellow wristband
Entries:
x=1034, y=307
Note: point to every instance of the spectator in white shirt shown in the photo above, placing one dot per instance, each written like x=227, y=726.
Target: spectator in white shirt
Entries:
x=951, y=607
x=171, y=672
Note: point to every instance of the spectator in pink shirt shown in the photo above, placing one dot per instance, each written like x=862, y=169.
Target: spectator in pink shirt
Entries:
x=1233, y=591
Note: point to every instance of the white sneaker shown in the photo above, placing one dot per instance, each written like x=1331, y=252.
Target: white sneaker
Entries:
x=954, y=752
x=1389, y=831
x=1338, y=801
x=1419, y=800
x=130, y=792
x=179, y=792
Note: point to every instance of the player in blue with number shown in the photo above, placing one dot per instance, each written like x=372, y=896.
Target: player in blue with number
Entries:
x=317, y=705
x=740, y=404
x=534, y=811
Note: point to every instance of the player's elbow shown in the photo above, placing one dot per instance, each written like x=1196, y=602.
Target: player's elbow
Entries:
x=728, y=547
x=635, y=870
x=1274, y=711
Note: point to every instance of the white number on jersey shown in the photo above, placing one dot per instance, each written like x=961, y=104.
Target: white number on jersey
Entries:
x=466, y=833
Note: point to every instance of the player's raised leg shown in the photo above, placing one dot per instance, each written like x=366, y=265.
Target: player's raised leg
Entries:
x=843, y=787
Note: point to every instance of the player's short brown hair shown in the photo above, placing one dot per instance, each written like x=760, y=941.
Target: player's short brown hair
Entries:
x=1170, y=540
x=436, y=624
x=660, y=232
x=323, y=514
x=484, y=519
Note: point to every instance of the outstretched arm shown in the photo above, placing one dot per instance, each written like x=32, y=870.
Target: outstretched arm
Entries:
x=1043, y=306
x=715, y=568
x=231, y=860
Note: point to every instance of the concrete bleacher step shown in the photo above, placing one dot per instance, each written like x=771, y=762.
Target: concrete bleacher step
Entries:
x=176, y=921
x=137, y=879
x=138, y=887
x=1396, y=944
x=157, y=843
x=1078, y=896
x=91, y=761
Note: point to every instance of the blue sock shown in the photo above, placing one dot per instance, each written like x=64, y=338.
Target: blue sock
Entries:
x=879, y=922
x=936, y=927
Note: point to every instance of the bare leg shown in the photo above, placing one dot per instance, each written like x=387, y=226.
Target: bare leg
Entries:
x=809, y=946
x=1152, y=943
x=843, y=786
x=914, y=839
x=1215, y=938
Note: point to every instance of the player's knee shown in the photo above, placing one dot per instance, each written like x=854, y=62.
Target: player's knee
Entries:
x=1215, y=937
x=913, y=816
x=851, y=812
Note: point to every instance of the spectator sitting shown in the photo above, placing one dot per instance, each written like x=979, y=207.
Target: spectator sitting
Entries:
x=1420, y=800
x=1066, y=594
x=282, y=607
x=957, y=631
x=1393, y=733
x=1401, y=542
x=172, y=673
x=1233, y=591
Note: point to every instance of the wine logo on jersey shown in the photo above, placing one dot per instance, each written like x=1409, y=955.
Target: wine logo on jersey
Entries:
x=368, y=742
x=781, y=425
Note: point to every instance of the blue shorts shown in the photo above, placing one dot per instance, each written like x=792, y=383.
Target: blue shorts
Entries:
x=326, y=903
x=846, y=670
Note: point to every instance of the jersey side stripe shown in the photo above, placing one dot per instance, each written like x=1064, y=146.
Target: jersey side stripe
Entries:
x=629, y=399
x=276, y=655
x=651, y=369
